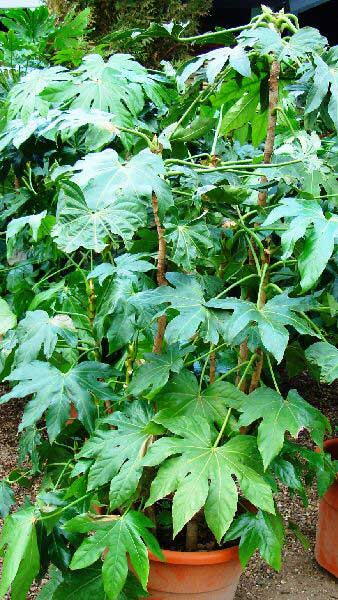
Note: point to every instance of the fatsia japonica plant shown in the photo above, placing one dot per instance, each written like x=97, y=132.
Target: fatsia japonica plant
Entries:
x=168, y=241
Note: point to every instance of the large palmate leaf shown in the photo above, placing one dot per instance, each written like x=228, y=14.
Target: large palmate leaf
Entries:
x=242, y=111
x=268, y=41
x=117, y=453
x=306, y=219
x=202, y=475
x=183, y=397
x=325, y=356
x=98, y=125
x=119, y=537
x=187, y=299
x=106, y=197
x=124, y=265
x=22, y=561
x=119, y=86
x=7, y=317
x=271, y=320
x=55, y=391
x=24, y=97
x=154, y=373
x=324, y=86
x=278, y=416
x=262, y=531
x=188, y=242
x=18, y=131
x=37, y=331
x=211, y=64
x=91, y=223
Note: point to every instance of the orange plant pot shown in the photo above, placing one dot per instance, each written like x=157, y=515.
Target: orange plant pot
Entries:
x=326, y=550
x=195, y=575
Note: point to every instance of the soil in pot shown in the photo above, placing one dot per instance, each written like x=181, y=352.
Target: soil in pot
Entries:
x=211, y=572
x=326, y=550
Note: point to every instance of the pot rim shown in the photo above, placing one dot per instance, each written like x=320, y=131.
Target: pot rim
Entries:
x=196, y=559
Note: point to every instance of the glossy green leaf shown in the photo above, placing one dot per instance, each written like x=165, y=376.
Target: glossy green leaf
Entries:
x=55, y=391
x=263, y=532
x=119, y=86
x=22, y=561
x=241, y=112
x=124, y=265
x=124, y=535
x=188, y=242
x=182, y=397
x=117, y=453
x=319, y=239
x=271, y=319
x=7, y=317
x=90, y=583
x=278, y=416
x=107, y=198
x=154, y=373
x=324, y=355
x=37, y=331
x=24, y=98
x=202, y=475
x=194, y=312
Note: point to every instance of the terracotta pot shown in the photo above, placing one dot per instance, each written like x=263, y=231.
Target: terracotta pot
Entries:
x=326, y=550
x=195, y=575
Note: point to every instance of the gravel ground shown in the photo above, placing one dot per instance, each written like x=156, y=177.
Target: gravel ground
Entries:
x=301, y=578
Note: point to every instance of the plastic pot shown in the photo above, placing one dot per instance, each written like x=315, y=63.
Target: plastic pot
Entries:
x=195, y=575
x=326, y=550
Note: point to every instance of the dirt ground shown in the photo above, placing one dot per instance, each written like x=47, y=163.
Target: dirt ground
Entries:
x=301, y=578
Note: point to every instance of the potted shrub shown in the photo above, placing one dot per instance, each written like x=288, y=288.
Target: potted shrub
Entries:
x=169, y=241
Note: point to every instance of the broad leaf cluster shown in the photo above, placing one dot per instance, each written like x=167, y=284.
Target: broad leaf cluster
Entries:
x=162, y=265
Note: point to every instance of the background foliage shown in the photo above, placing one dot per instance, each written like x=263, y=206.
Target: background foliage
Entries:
x=118, y=15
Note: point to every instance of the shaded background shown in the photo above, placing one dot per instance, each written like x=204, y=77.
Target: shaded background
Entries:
x=321, y=14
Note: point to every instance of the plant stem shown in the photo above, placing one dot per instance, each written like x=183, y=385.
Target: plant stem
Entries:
x=53, y=514
x=161, y=280
x=250, y=362
x=206, y=36
x=262, y=200
x=283, y=263
x=138, y=133
x=203, y=373
x=231, y=371
x=225, y=422
x=313, y=325
x=214, y=144
x=272, y=373
x=254, y=255
x=191, y=537
x=233, y=285
x=62, y=473
x=261, y=291
x=272, y=120
x=203, y=95
x=212, y=371
x=190, y=362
